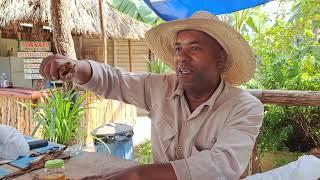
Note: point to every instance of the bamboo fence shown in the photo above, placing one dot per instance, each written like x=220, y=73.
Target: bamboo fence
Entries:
x=98, y=111
x=13, y=114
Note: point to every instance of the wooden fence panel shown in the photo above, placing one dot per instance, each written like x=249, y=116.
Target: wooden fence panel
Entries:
x=13, y=114
x=100, y=111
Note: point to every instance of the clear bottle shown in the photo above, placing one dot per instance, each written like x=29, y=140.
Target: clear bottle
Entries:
x=54, y=170
x=5, y=83
x=4, y=78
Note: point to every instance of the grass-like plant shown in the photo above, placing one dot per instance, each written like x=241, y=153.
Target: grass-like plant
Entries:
x=59, y=114
x=158, y=66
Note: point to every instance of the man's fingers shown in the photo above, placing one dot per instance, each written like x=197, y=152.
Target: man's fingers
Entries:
x=57, y=67
x=47, y=72
x=54, y=71
x=43, y=64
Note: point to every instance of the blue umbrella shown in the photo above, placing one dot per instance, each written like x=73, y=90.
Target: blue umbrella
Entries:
x=177, y=9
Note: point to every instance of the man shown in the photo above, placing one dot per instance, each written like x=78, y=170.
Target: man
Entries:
x=202, y=127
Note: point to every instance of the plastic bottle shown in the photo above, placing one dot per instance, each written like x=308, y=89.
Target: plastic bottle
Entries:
x=3, y=79
x=5, y=83
x=54, y=170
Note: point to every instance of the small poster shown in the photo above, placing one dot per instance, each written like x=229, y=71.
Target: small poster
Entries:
x=35, y=46
x=34, y=54
x=32, y=66
x=33, y=76
x=32, y=71
x=33, y=61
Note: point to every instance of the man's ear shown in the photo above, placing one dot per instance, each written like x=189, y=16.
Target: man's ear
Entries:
x=221, y=61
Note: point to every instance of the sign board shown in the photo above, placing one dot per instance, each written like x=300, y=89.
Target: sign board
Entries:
x=33, y=76
x=34, y=54
x=35, y=46
x=31, y=71
x=32, y=66
x=32, y=61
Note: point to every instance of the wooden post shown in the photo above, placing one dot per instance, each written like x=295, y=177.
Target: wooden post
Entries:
x=255, y=161
x=19, y=36
x=130, y=55
x=103, y=32
x=302, y=98
x=62, y=38
x=80, y=47
x=0, y=40
x=149, y=55
x=115, y=53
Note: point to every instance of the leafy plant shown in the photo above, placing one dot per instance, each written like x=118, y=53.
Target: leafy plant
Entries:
x=136, y=9
x=286, y=157
x=143, y=153
x=281, y=162
x=275, y=130
x=157, y=66
x=59, y=114
x=288, y=58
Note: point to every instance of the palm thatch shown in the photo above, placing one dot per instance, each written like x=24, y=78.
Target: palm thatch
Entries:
x=84, y=17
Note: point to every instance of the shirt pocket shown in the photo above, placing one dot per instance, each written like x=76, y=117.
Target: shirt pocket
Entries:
x=205, y=144
x=166, y=133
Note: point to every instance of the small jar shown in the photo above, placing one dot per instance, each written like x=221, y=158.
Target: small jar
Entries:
x=54, y=170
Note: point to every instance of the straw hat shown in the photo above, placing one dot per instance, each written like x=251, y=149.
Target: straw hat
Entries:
x=241, y=62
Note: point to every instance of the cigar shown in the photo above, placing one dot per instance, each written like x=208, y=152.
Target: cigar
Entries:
x=67, y=71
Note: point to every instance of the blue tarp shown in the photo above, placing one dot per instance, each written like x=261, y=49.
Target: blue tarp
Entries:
x=176, y=9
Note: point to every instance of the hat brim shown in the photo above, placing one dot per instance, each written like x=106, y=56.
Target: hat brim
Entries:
x=241, y=60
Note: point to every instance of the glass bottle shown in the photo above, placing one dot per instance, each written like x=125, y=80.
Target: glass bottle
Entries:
x=54, y=170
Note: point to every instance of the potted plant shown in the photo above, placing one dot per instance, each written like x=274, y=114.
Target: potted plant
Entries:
x=58, y=116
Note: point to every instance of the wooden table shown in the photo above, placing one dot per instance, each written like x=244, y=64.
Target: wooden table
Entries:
x=86, y=164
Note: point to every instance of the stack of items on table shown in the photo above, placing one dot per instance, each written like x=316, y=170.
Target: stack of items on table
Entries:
x=20, y=154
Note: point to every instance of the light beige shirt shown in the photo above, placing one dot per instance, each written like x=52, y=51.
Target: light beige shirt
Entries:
x=215, y=141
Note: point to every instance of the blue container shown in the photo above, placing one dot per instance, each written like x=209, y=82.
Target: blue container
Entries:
x=114, y=139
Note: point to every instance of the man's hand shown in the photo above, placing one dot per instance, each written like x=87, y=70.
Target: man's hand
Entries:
x=142, y=172
x=58, y=67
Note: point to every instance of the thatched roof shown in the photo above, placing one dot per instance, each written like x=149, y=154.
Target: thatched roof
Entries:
x=84, y=13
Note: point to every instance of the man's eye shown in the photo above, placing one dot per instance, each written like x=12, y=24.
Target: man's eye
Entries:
x=177, y=49
x=195, y=48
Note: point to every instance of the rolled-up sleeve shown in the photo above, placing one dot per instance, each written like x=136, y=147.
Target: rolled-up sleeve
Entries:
x=118, y=84
x=230, y=155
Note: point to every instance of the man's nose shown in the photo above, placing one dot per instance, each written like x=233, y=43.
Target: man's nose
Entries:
x=183, y=56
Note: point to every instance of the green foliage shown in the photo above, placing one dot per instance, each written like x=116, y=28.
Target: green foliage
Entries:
x=306, y=10
x=275, y=130
x=288, y=58
x=248, y=21
x=158, y=66
x=59, y=114
x=285, y=159
x=136, y=9
x=281, y=162
x=143, y=153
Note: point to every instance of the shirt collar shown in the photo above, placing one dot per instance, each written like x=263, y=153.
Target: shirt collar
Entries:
x=210, y=102
x=179, y=92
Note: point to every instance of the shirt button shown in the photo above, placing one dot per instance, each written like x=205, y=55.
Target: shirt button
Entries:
x=179, y=148
x=186, y=124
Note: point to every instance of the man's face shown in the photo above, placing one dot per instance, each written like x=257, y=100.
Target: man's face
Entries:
x=199, y=59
